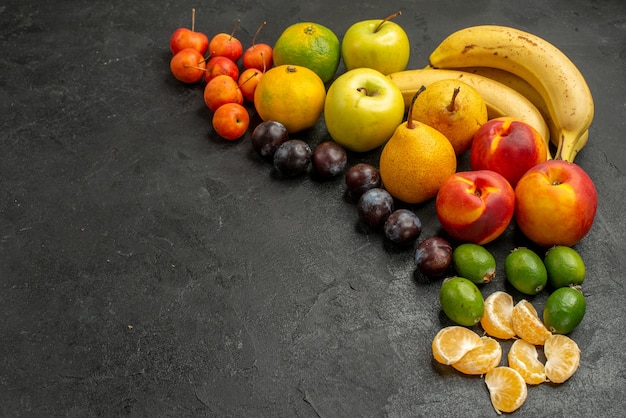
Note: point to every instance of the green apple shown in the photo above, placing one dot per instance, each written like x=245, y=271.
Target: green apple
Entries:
x=379, y=44
x=363, y=108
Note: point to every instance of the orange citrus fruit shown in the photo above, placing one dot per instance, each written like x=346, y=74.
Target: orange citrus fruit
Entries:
x=527, y=324
x=292, y=95
x=480, y=359
x=309, y=45
x=454, y=108
x=562, y=358
x=524, y=358
x=453, y=342
x=507, y=388
x=415, y=162
x=497, y=319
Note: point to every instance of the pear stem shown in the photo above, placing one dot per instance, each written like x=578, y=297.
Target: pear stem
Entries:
x=410, y=123
x=387, y=19
x=451, y=106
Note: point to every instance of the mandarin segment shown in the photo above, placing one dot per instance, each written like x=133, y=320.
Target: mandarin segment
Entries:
x=562, y=358
x=507, y=389
x=527, y=324
x=524, y=358
x=481, y=359
x=453, y=342
x=497, y=318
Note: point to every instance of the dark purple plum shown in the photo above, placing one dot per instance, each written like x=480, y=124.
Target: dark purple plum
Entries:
x=360, y=178
x=403, y=227
x=267, y=137
x=329, y=159
x=292, y=158
x=433, y=256
x=375, y=206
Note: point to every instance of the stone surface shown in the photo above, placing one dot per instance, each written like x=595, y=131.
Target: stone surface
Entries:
x=150, y=268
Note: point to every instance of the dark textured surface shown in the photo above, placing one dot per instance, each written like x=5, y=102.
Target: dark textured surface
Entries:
x=149, y=268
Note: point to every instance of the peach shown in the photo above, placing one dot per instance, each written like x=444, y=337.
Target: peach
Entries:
x=507, y=146
x=475, y=206
x=555, y=203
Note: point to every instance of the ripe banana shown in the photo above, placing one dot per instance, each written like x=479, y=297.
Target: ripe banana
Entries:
x=500, y=99
x=547, y=69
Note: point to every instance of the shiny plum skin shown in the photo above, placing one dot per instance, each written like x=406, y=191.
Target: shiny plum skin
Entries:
x=433, y=256
x=292, y=158
x=374, y=207
x=329, y=159
x=267, y=137
x=403, y=227
x=360, y=178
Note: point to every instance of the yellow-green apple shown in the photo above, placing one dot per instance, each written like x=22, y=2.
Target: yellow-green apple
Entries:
x=475, y=206
x=362, y=109
x=378, y=43
x=507, y=146
x=555, y=203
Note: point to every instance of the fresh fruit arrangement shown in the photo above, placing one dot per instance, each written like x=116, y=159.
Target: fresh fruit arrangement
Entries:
x=514, y=102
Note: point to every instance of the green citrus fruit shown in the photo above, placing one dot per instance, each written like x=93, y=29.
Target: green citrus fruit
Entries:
x=565, y=266
x=525, y=270
x=309, y=45
x=564, y=309
x=474, y=262
x=461, y=301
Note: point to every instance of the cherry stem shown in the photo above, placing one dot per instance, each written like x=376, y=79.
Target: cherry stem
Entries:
x=387, y=19
x=410, y=123
x=263, y=58
x=249, y=78
x=451, y=106
x=193, y=19
x=257, y=32
x=232, y=34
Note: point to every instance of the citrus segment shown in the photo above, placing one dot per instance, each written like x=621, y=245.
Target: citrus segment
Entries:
x=527, y=324
x=309, y=45
x=562, y=358
x=507, y=389
x=480, y=359
x=292, y=95
x=497, y=318
x=453, y=342
x=524, y=358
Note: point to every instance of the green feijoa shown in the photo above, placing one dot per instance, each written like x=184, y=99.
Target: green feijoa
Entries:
x=474, y=262
x=461, y=301
x=564, y=309
x=525, y=270
x=565, y=266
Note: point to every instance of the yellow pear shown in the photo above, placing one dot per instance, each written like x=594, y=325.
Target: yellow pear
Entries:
x=416, y=161
x=454, y=108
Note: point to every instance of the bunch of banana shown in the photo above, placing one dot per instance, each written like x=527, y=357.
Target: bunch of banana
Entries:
x=552, y=81
x=501, y=100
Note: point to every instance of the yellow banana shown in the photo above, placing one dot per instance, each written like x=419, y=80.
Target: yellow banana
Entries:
x=547, y=69
x=500, y=99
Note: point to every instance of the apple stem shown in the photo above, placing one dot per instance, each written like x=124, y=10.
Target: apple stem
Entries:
x=451, y=106
x=193, y=19
x=410, y=123
x=387, y=19
x=257, y=32
x=232, y=34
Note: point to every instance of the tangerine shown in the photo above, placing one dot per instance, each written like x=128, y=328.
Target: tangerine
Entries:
x=524, y=358
x=497, y=317
x=480, y=359
x=527, y=324
x=292, y=95
x=453, y=342
x=309, y=45
x=507, y=389
x=562, y=358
